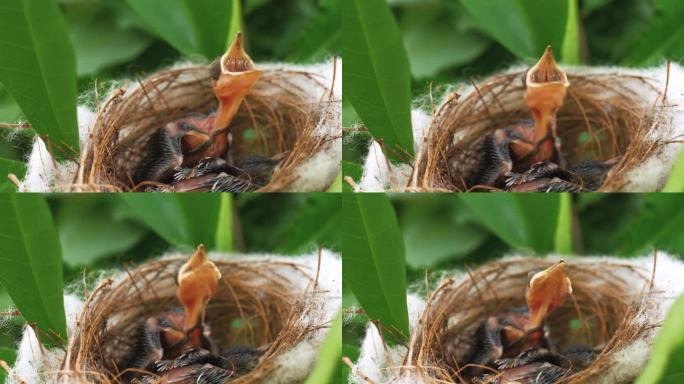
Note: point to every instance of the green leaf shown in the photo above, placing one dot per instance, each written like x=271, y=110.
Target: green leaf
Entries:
x=353, y=170
x=315, y=223
x=658, y=225
x=180, y=218
x=374, y=260
x=524, y=221
x=377, y=78
x=438, y=230
x=666, y=363
x=329, y=356
x=563, y=239
x=224, y=229
x=91, y=217
x=190, y=26
x=336, y=186
x=8, y=166
x=676, y=181
x=524, y=27
x=435, y=42
x=235, y=22
x=7, y=355
x=571, y=43
x=31, y=260
x=663, y=36
x=101, y=42
x=38, y=68
x=323, y=36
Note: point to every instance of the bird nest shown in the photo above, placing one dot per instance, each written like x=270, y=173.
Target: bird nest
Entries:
x=258, y=303
x=292, y=112
x=606, y=115
x=606, y=310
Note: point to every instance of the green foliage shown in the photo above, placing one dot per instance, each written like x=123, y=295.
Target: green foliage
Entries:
x=433, y=236
x=659, y=223
x=224, y=229
x=666, y=364
x=374, y=261
x=662, y=37
x=329, y=357
x=38, y=68
x=524, y=221
x=317, y=222
x=571, y=41
x=192, y=27
x=8, y=166
x=525, y=27
x=563, y=238
x=676, y=181
x=182, y=219
x=109, y=229
x=376, y=74
x=439, y=36
x=7, y=355
x=104, y=34
x=323, y=35
x=31, y=260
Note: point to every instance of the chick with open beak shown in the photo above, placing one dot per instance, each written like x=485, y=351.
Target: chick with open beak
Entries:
x=547, y=291
x=546, y=86
x=518, y=330
x=232, y=77
x=197, y=283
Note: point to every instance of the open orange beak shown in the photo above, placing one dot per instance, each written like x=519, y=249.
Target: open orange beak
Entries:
x=197, y=282
x=232, y=81
x=547, y=291
x=546, y=88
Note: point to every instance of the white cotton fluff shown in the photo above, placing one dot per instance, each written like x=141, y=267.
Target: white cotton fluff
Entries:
x=376, y=358
x=37, y=365
x=650, y=176
x=379, y=174
x=44, y=174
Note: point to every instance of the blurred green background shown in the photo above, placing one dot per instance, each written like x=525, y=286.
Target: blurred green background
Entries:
x=93, y=233
x=112, y=41
x=449, y=41
x=444, y=232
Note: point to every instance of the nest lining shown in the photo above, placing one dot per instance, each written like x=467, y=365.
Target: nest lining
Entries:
x=283, y=305
x=617, y=305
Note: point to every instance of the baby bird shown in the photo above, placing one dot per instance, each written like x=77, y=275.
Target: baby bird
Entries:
x=509, y=334
x=587, y=175
x=186, y=141
x=515, y=148
x=173, y=332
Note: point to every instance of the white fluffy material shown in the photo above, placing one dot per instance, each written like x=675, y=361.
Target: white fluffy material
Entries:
x=379, y=174
x=44, y=174
x=376, y=358
x=651, y=175
x=37, y=365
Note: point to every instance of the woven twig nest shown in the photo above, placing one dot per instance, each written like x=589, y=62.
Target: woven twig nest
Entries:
x=284, y=305
x=291, y=110
x=632, y=115
x=615, y=306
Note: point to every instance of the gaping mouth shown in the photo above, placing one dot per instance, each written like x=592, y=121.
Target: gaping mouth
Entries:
x=546, y=72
